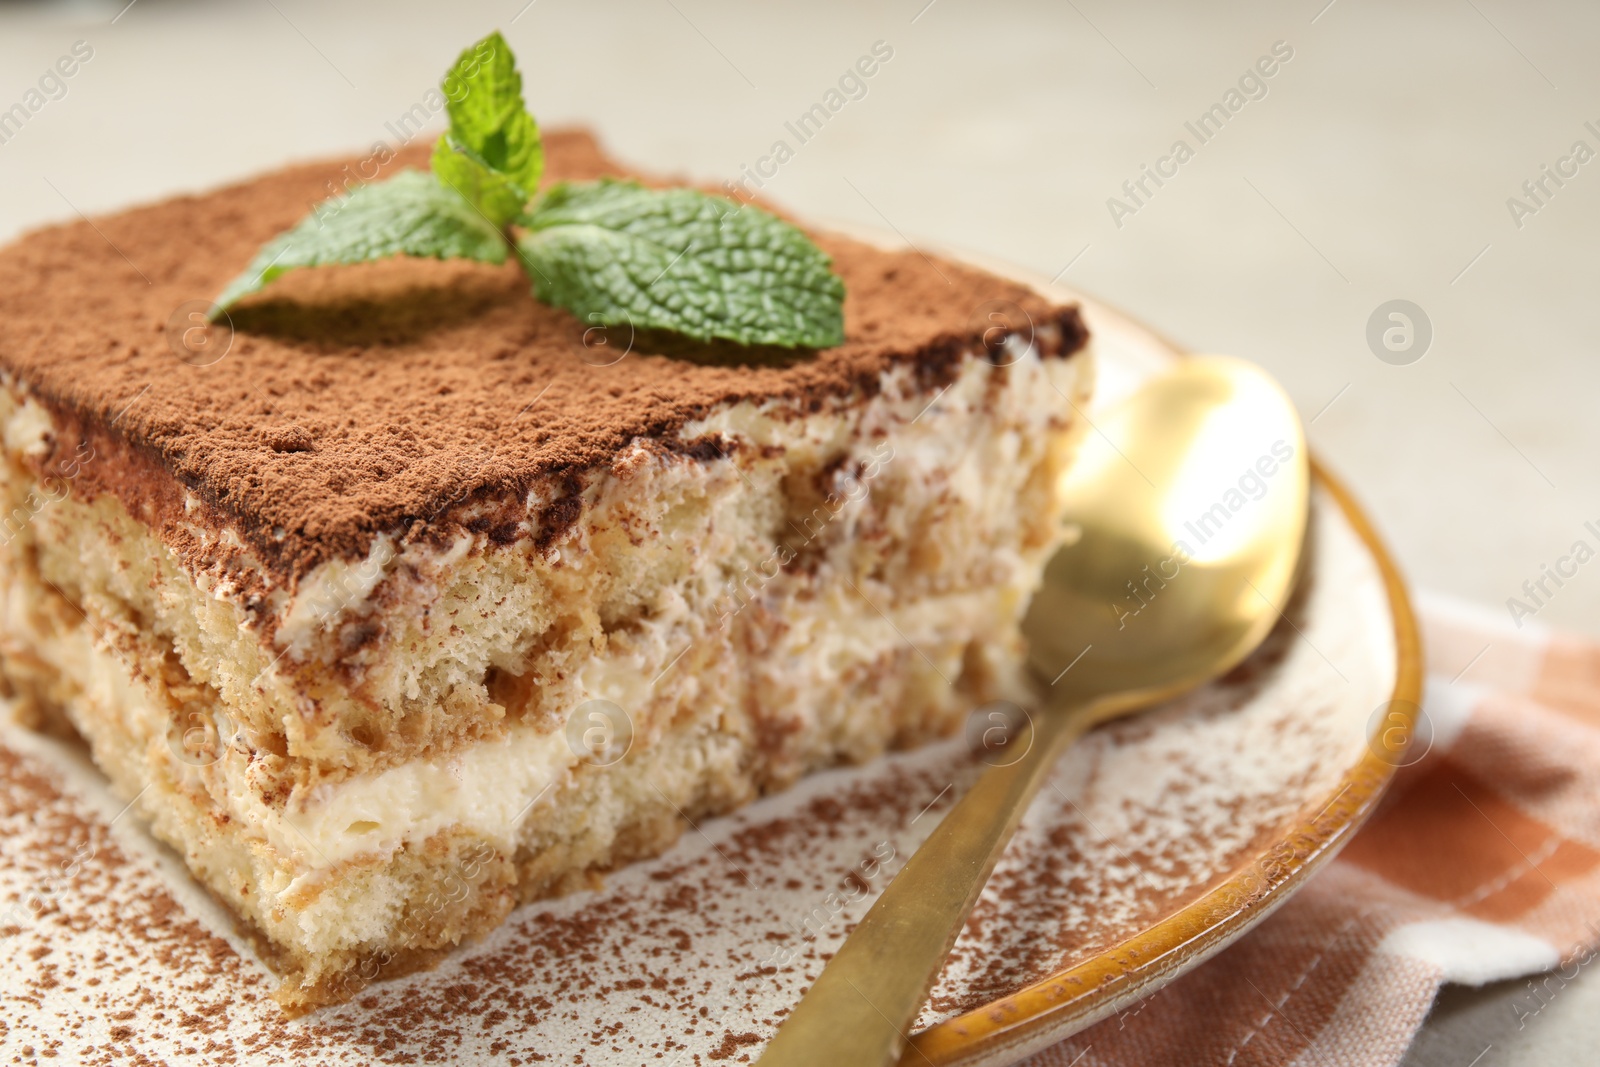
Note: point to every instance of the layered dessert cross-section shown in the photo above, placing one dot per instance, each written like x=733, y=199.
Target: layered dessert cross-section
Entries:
x=405, y=598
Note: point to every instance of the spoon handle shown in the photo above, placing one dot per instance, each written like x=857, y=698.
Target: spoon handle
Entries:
x=860, y=1008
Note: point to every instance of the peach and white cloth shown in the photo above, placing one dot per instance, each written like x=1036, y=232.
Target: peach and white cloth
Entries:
x=1482, y=864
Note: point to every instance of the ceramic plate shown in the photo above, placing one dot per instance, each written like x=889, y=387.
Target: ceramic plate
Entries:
x=1156, y=842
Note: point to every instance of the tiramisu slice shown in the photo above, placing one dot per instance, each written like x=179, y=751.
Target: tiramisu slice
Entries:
x=409, y=597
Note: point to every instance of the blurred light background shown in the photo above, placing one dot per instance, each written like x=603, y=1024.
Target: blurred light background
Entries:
x=1375, y=164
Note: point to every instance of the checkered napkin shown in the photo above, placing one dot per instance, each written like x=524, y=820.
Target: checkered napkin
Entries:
x=1483, y=863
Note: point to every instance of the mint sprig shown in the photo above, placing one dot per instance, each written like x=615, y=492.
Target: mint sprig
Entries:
x=492, y=153
x=676, y=259
x=613, y=252
x=411, y=214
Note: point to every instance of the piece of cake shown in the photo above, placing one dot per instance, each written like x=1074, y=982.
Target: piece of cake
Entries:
x=408, y=597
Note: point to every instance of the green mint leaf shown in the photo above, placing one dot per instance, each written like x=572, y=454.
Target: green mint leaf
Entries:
x=411, y=214
x=497, y=196
x=483, y=93
x=681, y=260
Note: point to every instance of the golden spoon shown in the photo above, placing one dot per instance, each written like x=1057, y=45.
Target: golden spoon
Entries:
x=1187, y=512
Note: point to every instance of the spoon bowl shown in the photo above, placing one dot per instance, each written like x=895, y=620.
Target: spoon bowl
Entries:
x=1186, y=514
x=1186, y=509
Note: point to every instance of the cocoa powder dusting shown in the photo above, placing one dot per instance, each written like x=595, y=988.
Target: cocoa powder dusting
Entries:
x=347, y=401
